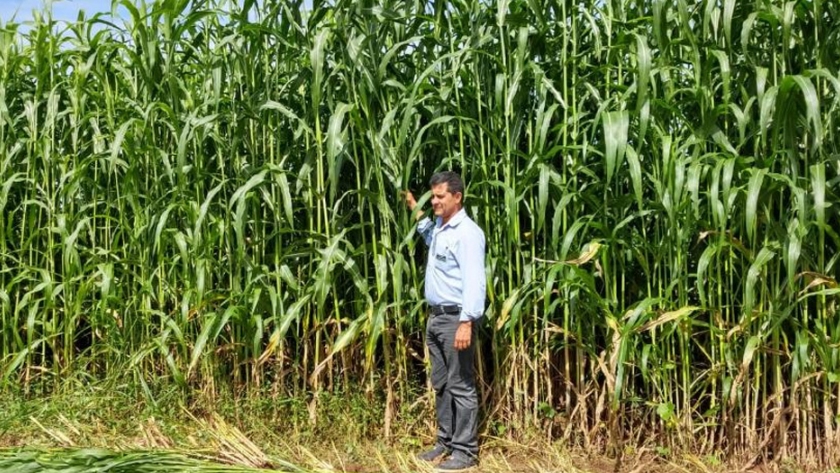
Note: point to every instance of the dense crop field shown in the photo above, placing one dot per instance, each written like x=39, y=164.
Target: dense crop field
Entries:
x=205, y=194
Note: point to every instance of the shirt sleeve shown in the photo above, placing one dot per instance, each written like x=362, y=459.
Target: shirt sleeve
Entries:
x=470, y=258
x=424, y=228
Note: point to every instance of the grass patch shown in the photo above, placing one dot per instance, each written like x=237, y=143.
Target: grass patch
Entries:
x=106, y=412
x=87, y=427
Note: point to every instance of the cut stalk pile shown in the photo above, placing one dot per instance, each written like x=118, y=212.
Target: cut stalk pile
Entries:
x=90, y=460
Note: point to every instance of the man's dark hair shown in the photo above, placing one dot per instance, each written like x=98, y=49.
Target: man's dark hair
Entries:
x=453, y=181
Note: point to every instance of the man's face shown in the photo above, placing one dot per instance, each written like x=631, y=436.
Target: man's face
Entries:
x=444, y=203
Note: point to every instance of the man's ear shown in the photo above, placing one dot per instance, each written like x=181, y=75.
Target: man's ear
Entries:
x=459, y=197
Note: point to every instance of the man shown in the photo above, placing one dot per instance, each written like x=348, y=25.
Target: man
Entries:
x=455, y=291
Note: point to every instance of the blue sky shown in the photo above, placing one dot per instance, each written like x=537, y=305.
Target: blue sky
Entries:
x=62, y=9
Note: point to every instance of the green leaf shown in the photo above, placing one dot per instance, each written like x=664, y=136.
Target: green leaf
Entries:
x=635, y=166
x=749, y=351
x=764, y=256
x=811, y=101
x=818, y=191
x=643, y=59
x=616, y=126
x=753, y=193
x=665, y=411
x=317, y=59
x=242, y=191
x=335, y=145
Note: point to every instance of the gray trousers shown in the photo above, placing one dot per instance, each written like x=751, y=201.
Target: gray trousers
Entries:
x=453, y=378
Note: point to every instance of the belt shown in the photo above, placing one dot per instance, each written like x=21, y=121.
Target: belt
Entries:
x=444, y=309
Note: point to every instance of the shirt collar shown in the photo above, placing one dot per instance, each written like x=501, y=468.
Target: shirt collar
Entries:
x=455, y=220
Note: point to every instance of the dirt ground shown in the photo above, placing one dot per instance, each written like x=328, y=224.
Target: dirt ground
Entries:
x=531, y=459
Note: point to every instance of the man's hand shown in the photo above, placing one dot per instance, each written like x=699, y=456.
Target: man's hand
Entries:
x=463, y=336
x=411, y=202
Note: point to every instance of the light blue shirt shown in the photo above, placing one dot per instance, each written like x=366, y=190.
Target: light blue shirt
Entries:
x=455, y=270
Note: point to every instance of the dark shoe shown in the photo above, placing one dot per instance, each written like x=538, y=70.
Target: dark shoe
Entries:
x=458, y=461
x=434, y=453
